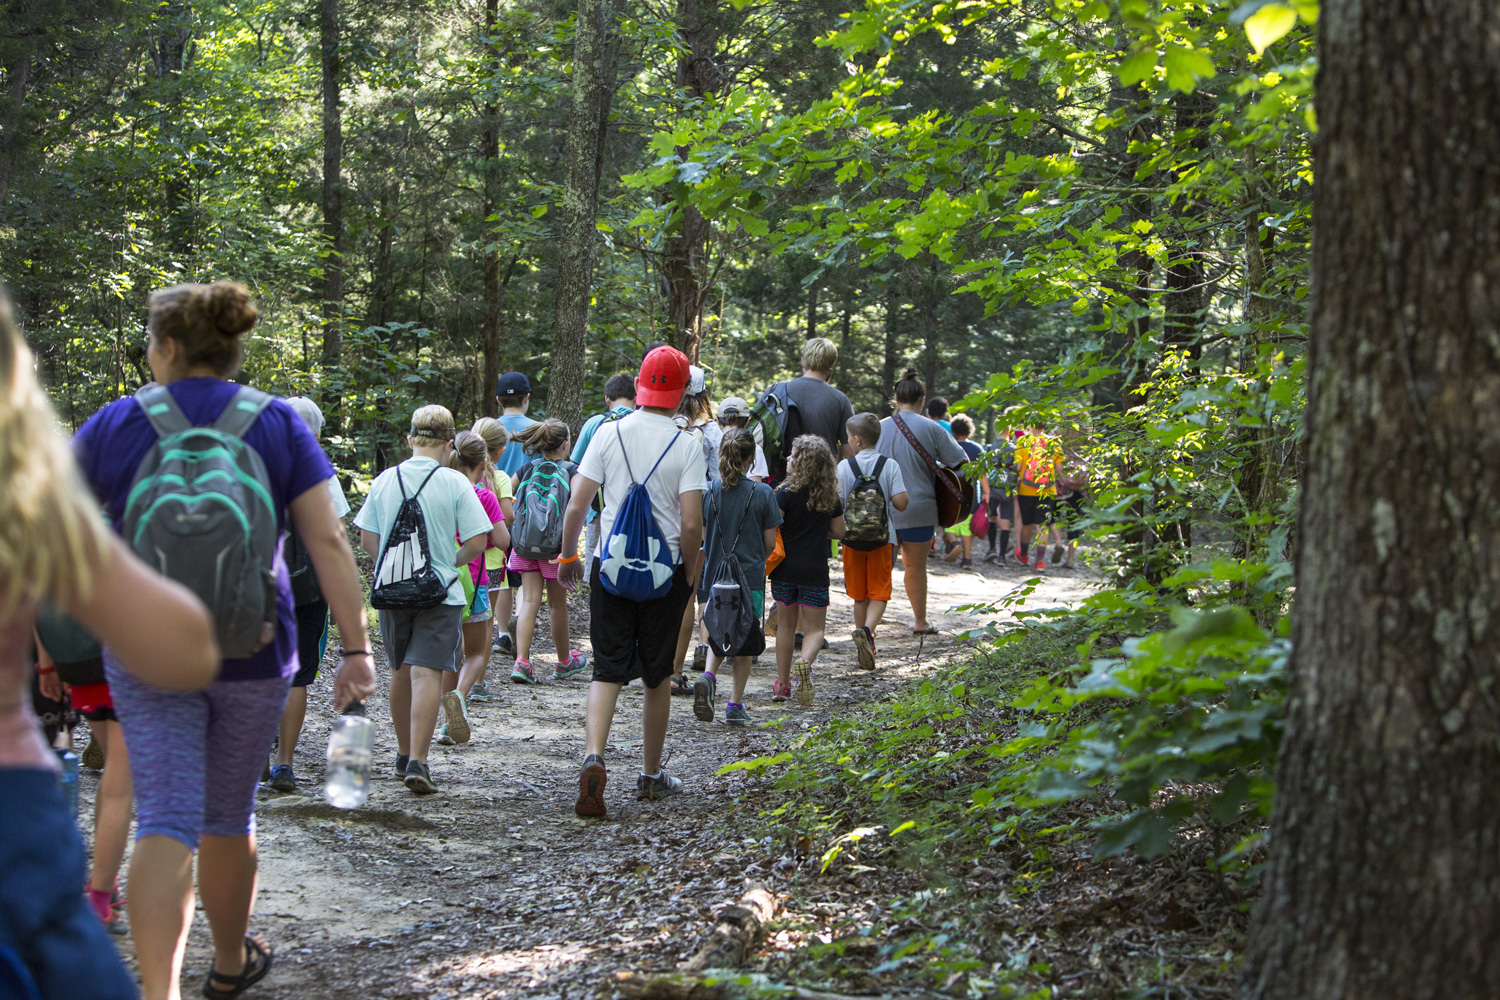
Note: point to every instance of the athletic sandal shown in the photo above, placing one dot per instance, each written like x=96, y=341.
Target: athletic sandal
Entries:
x=257, y=964
x=681, y=687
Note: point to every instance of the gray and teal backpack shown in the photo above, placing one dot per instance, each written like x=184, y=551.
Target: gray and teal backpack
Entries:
x=540, y=504
x=200, y=512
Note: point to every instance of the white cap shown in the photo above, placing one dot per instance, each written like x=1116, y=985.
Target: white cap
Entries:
x=309, y=412
x=733, y=406
x=697, y=380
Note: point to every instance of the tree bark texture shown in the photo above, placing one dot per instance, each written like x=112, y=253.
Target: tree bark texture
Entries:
x=12, y=115
x=686, y=264
x=333, y=202
x=578, y=232
x=1385, y=868
x=489, y=405
x=170, y=58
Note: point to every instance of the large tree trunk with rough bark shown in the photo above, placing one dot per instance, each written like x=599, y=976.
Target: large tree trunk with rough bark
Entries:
x=1385, y=869
x=169, y=55
x=686, y=265
x=489, y=155
x=333, y=203
x=592, y=87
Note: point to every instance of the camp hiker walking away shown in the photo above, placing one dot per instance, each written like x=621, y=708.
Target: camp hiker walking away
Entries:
x=735, y=412
x=960, y=537
x=1002, y=498
x=59, y=550
x=513, y=392
x=543, y=488
x=812, y=513
x=653, y=477
x=1072, y=492
x=918, y=523
x=619, y=401
x=1038, y=464
x=695, y=417
x=495, y=439
x=234, y=467
x=470, y=457
x=740, y=518
x=408, y=525
x=312, y=618
x=872, y=490
x=804, y=405
x=937, y=412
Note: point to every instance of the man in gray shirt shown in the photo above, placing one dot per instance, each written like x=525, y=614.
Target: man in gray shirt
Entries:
x=821, y=409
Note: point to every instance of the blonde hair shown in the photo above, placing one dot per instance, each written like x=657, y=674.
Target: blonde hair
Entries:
x=209, y=321
x=468, y=452
x=736, y=455
x=544, y=436
x=51, y=531
x=820, y=355
x=811, y=468
x=432, y=424
x=496, y=437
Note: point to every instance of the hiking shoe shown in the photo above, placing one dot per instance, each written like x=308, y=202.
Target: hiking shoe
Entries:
x=780, y=691
x=93, y=756
x=401, y=762
x=992, y=557
x=283, y=778
x=443, y=739
x=522, y=673
x=458, y=717
x=966, y=564
x=1041, y=562
x=804, y=683
x=736, y=715
x=772, y=619
x=505, y=645
x=418, y=778
x=576, y=663
x=480, y=694
x=864, y=645
x=700, y=657
x=591, y=782
x=1057, y=554
x=662, y=786
x=704, y=690
x=955, y=553
x=796, y=640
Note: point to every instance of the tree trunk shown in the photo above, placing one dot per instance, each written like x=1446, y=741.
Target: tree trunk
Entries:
x=685, y=266
x=1385, y=866
x=890, y=363
x=333, y=207
x=169, y=57
x=489, y=405
x=17, y=76
x=578, y=232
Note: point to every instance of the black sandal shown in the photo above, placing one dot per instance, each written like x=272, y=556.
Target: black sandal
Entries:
x=257, y=964
x=681, y=687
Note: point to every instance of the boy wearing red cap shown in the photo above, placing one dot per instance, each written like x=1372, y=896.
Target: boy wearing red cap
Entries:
x=638, y=639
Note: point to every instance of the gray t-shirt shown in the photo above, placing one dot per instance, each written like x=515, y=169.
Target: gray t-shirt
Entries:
x=824, y=411
x=921, y=509
x=723, y=512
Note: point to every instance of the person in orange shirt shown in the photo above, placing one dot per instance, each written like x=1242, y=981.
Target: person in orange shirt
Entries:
x=1039, y=464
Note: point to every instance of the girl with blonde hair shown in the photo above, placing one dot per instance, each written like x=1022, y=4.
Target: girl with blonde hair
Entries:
x=55, y=547
x=502, y=602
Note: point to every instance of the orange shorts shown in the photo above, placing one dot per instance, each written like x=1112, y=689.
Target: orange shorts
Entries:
x=867, y=575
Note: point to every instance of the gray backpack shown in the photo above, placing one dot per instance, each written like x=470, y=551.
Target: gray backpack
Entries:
x=200, y=512
x=539, y=505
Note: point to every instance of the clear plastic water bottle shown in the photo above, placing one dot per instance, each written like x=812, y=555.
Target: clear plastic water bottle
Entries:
x=351, y=745
x=69, y=781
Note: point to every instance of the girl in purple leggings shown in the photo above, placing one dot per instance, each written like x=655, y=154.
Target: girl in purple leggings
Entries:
x=53, y=546
x=196, y=758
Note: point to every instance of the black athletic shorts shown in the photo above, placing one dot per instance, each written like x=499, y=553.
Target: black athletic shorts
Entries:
x=312, y=635
x=1031, y=510
x=635, y=639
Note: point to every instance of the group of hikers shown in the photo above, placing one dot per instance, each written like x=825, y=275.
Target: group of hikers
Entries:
x=208, y=603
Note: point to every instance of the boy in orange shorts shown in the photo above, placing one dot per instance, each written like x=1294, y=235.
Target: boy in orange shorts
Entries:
x=870, y=485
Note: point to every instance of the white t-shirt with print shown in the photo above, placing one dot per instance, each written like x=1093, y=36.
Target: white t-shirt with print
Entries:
x=449, y=505
x=645, y=436
x=890, y=481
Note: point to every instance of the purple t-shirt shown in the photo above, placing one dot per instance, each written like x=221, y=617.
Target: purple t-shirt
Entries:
x=112, y=444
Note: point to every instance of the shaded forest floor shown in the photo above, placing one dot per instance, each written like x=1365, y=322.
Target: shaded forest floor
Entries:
x=493, y=888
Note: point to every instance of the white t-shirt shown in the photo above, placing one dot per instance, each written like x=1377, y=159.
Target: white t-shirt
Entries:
x=449, y=505
x=645, y=437
x=890, y=481
x=759, y=469
x=340, y=502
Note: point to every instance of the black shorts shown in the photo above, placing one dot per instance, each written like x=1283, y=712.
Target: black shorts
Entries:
x=1069, y=512
x=635, y=639
x=101, y=715
x=312, y=634
x=1031, y=510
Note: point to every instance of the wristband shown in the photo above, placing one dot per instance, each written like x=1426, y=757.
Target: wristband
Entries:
x=353, y=652
x=46, y=670
x=575, y=558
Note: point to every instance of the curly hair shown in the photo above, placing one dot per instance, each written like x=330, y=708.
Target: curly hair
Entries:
x=811, y=468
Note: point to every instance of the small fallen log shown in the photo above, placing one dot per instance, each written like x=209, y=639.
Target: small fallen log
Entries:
x=696, y=986
x=735, y=932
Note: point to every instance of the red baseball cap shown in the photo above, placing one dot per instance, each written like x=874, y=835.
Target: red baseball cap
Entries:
x=663, y=377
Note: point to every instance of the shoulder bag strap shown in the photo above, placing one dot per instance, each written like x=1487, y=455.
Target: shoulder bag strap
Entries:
x=162, y=410
x=911, y=439
x=242, y=412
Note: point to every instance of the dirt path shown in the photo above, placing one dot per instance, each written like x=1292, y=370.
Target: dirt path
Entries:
x=493, y=887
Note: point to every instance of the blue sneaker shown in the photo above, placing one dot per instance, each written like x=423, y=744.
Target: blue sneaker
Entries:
x=736, y=715
x=283, y=778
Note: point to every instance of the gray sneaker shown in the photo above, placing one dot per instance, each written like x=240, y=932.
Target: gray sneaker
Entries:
x=659, y=787
x=704, y=690
x=401, y=762
x=418, y=778
x=700, y=657
x=458, y=717
x=505, y=645
x=735, y=715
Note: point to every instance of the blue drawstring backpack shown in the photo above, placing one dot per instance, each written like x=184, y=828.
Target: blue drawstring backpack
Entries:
x=637, y=563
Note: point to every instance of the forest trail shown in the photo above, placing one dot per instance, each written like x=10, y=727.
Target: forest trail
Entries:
x=492, y=887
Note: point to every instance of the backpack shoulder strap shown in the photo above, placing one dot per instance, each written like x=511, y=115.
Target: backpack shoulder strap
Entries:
x=419, y=488
x=619, y=436
x=242, y=412
x=162, y=410
x=664, y=454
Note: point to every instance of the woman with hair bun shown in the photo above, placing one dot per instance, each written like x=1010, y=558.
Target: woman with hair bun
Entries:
x=54, y=547
x=916, y=525
x=196, y=758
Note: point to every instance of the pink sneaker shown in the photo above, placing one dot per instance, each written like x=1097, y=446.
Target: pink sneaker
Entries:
x=780, y=691
x=1040, y=564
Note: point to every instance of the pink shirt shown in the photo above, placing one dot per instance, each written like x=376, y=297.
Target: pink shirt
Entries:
x=21, y=742
x=497, y=516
